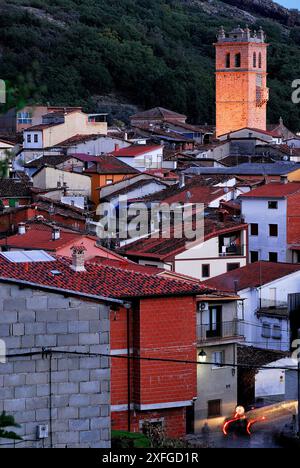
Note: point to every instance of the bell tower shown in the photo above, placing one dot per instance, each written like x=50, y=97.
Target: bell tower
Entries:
x=241, y=80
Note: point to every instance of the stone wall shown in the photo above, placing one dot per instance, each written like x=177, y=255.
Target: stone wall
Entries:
x=32, y=319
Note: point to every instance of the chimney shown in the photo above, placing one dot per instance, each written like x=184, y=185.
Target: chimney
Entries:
x=182, y=180
x=117, y=147
x=284, y=179
x=78, y=258
x=21, y=229
x=55, y=233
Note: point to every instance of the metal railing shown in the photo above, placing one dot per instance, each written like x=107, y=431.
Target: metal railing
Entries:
x=223, y=330
x=233, y=250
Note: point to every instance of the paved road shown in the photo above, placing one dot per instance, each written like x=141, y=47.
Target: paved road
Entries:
x=262, y=433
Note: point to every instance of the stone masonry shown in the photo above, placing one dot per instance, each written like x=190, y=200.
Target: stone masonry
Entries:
x=33, y=319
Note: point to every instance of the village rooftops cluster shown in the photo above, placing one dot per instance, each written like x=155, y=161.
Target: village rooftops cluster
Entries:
x=96, y=280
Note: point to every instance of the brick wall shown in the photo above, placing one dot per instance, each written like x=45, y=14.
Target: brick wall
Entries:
x=161, y=328
x=32, y=319
x=293, y=219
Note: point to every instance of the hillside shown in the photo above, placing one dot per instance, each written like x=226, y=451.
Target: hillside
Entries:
x=144, y=52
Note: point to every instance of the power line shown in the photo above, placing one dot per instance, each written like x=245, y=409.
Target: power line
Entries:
x=51, y=352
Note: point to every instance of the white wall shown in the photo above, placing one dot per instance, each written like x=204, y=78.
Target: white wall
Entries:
x=101, y=145
x=256, y=211
x=150, y=160
x=33, y=144
x=190, y=261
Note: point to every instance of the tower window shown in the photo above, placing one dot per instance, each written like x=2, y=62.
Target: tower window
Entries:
x=227, y=61
x=260, y=60
x=238, y=61
x=254, y=60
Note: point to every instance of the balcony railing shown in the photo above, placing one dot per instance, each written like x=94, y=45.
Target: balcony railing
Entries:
x=232, y=250
x=223, y=330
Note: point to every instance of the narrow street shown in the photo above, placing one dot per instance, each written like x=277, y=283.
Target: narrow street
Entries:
x=277, y=416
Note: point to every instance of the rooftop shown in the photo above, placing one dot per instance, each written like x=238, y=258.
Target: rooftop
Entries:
x=108, y=164
x=275, y=169
x=274, y=190
x=97, y=280
x=253, y=275
x=10, y=188
x=39, y=237
x=165, y=249
x=135, y=150
x=158, y=113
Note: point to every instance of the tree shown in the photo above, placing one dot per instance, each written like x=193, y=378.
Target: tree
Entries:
x=7, y=421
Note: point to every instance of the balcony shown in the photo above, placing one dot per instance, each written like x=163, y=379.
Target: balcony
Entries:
x=231, y=251
x=221, y=331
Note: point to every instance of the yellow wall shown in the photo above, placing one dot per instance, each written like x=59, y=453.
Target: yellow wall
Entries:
x=294, y=176
x=76, y=123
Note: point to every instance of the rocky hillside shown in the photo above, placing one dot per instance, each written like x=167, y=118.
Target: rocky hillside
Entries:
x=115, y=54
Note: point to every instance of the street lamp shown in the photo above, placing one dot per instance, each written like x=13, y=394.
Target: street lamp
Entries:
x=202, y=356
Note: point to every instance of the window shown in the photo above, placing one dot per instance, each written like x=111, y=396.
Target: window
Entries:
x=227, y=61
x=148, y=426
x=273, y=257
x=24, y=118
x=205, y=271
x=260, y=60
x=29, y=138
x=215, y=322
x=109, y=181
x=276, y=334
x=273, y=205
x=214, y=408
x=233, y=266
x=254, y=229
x=238, y=61
x=266, y=330
x=254, y=60
x=273, y=230
x=218, y=359
x=36, y=138
x=254, y=257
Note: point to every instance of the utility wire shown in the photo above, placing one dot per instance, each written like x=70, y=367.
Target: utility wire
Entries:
x=52, y=352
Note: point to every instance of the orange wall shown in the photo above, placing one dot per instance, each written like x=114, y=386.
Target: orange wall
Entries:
x=100, y=180
x=236, y=105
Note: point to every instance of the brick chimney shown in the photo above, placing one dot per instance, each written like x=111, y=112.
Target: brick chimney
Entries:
x=78, y=263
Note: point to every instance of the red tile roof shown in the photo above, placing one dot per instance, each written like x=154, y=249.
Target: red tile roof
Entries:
x=135, y=150
x=39, y=237
x=252, y=276
x=274, y=190
x=166, y=249
x=158, y=113
x=108, y=164
x=98, y=280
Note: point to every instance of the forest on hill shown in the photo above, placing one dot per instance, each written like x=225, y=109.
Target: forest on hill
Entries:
x=144, y=52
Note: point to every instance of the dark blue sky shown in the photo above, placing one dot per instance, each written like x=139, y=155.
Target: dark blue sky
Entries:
x=289, y=3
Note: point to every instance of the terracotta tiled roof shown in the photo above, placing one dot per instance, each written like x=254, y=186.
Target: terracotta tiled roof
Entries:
x=40, y=127
x=11, y=188
x=39, y=237
x=135, y=150
x=98, y=280
x=274, y=190
x=166, y=249
x=157, y=113
x=51, y=160
x=136, y=185
x=252, y=276
x=107, y=164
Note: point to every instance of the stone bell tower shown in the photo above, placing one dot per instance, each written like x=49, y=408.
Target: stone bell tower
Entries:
x=241, y=80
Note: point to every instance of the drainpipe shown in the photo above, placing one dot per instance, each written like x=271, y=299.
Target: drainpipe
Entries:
x=128, y=308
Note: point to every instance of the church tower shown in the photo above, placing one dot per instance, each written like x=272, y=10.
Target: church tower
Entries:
x=241, y=80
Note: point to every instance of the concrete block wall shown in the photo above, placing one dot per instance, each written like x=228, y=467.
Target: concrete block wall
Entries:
x=32, y=319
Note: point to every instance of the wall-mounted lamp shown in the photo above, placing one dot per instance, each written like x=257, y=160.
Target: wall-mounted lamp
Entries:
x=202, y=356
